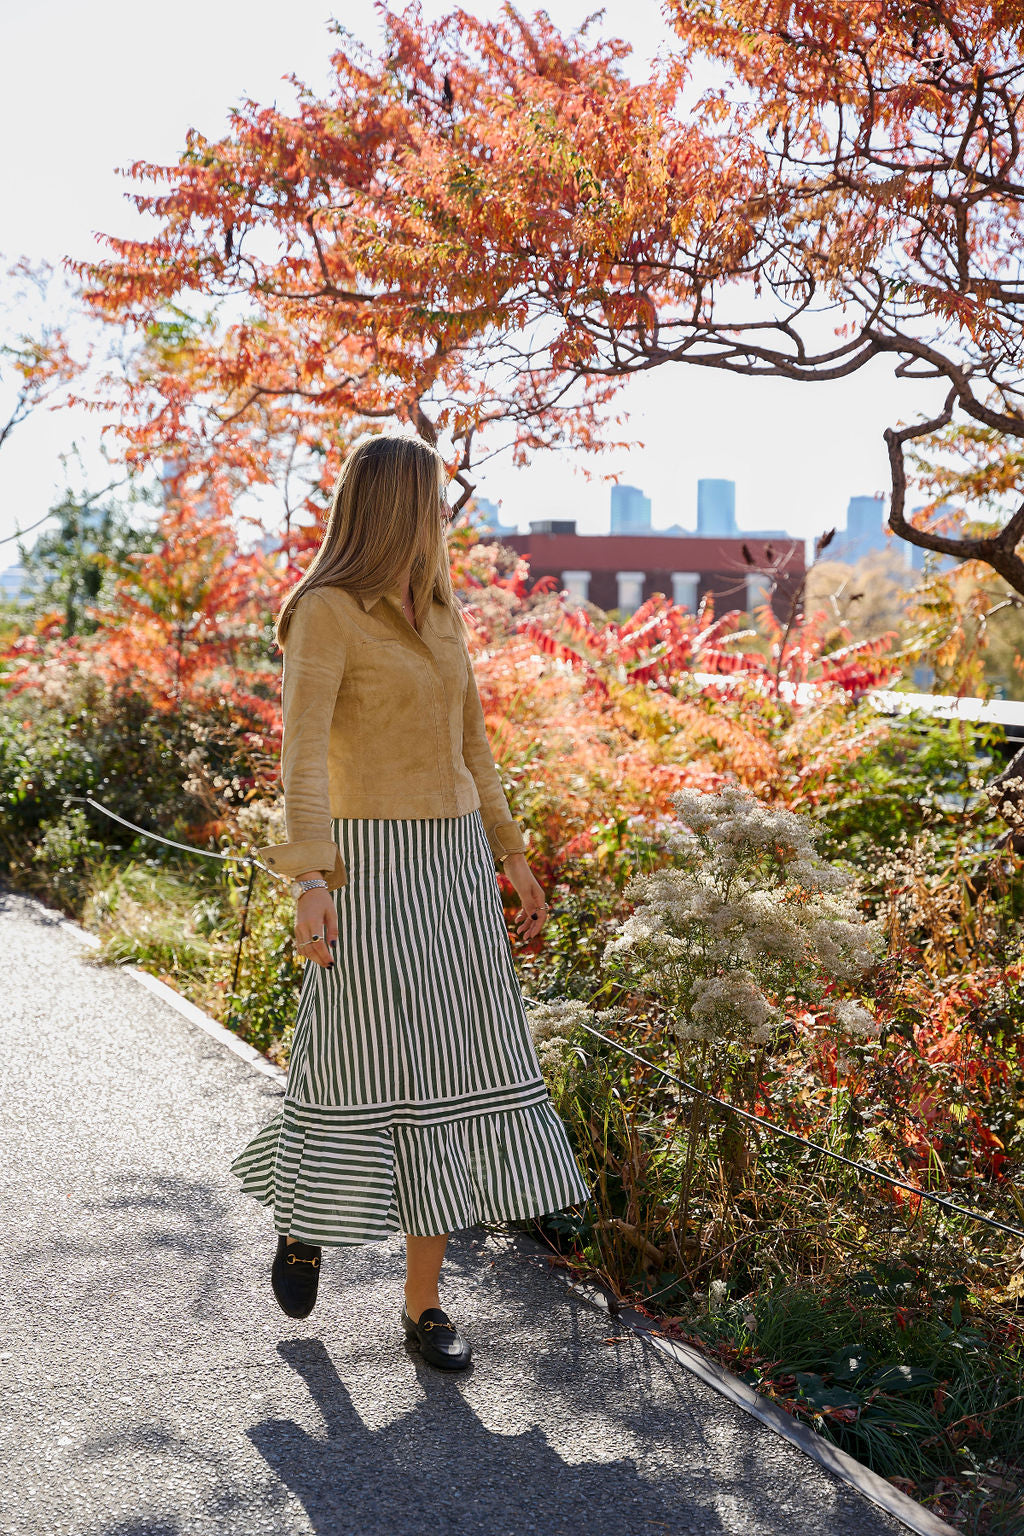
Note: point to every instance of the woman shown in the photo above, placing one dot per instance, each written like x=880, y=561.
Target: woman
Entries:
x=414, y=1099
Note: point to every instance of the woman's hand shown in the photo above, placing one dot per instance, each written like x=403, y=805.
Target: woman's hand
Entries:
x=315, y=912
x=530, y=920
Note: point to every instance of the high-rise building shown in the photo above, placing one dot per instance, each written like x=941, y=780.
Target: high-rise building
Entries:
x=716, y=509
x=631, y=510
x=12, y=582
x=864, y=531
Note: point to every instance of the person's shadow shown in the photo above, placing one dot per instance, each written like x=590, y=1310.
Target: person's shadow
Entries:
x=438, y=1469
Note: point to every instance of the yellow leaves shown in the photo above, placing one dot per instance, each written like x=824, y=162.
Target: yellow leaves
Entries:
x=947, y=653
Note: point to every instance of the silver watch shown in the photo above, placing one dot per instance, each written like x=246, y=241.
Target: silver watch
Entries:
x=309, y=885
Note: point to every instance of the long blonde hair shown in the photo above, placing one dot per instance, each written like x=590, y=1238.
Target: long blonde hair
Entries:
x=386, y=504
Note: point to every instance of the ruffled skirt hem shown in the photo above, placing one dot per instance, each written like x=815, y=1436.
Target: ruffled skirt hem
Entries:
x=334, y=1182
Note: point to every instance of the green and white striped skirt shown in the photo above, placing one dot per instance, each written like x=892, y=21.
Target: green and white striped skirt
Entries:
x=414, y=1100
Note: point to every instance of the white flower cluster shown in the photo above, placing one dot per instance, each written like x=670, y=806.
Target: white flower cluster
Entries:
x=558, y=1017
x=748, y=908
x=732, y=825
x=551, y=1053
x=1004, y=796
x=847, y=944
x=550, y=1025
x=731, y=1004
x=638, y=928
x=552, y=1022
x=854, y=1019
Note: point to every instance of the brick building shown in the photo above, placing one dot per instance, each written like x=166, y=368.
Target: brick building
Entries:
x=621, y=570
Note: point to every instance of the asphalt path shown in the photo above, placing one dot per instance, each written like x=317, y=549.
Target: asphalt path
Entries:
x=151, y=1387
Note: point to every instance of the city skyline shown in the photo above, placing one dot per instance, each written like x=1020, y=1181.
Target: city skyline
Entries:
x=631, y=514
x=631, y=511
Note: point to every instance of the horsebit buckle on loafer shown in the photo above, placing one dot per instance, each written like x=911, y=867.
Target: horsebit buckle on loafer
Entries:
x=432, y=1324
x=295, y=1258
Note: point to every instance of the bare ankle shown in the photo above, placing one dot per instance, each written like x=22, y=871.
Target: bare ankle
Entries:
x=416, y=1303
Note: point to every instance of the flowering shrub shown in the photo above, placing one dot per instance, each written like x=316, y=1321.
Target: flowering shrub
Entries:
x=748, y=914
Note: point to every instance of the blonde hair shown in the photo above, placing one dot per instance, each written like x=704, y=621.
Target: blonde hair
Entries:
x=385, y=507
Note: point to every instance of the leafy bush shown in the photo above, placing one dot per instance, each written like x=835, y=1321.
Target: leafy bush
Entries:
x=67, y=853
x=881, y=1366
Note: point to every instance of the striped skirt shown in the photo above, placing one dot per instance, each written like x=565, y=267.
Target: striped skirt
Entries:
x=414, y=1100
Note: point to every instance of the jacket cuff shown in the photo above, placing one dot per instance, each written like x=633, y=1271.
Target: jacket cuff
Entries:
x=294, y=859
x=506, y=837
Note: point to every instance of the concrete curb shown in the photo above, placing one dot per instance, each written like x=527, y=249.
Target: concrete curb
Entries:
x=225, y=1037
x=869, y=1484
x=878, y=1489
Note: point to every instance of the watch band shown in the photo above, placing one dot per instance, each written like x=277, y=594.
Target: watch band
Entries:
x=310, y=885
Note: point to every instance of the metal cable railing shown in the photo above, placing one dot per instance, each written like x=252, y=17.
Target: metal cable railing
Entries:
x=780, y=1130
x=203, y=853
x=943, y=1201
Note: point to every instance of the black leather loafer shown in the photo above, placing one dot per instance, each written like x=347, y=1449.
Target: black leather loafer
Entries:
x=294, y=1276
x=440, y=1342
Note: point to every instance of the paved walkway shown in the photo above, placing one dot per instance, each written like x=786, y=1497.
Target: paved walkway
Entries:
x=151, y=1386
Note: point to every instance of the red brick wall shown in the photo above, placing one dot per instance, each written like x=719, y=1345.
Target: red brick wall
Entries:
x=719, y=562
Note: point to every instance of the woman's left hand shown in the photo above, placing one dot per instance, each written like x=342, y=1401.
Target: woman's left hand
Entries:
x=530, y=920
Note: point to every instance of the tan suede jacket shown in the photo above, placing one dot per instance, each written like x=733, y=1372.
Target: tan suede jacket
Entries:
x=379, y=721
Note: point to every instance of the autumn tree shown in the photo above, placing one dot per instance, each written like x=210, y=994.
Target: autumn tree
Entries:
x=486, y=228
x=884, y=145
x=326, y=225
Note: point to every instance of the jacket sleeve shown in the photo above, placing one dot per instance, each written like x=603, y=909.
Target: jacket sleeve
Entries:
x=314, y=663
x=504, y=833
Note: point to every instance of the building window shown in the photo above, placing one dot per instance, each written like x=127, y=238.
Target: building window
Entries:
x=631, y=590
x=577, y=584
x=684, y=589
x=759, y=589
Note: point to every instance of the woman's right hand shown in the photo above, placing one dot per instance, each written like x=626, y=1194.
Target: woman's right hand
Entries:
x=315, y=912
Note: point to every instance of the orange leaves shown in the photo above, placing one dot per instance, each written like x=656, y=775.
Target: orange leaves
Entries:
x=382, y=234
x=184, y=623
x=35, y=353
x=483, y=221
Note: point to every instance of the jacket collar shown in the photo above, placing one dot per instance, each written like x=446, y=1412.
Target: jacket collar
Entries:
x=368, y=602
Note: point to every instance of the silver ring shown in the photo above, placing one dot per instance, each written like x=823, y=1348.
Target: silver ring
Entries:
x=309, y=941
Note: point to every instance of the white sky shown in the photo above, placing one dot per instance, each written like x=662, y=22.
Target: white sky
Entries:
x=85, y=89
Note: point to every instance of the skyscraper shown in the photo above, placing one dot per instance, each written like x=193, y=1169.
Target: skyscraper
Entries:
x=865, y=529
x=631, y=510
x=716, y=509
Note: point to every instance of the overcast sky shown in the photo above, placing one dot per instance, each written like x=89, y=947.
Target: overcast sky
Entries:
x=89, y=88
